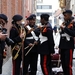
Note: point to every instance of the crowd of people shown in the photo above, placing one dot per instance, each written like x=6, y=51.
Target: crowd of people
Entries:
x=29, y=40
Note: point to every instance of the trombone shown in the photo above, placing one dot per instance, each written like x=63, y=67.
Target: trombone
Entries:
x=29, y=49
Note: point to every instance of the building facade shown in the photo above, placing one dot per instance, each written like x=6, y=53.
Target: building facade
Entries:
x=44, y=6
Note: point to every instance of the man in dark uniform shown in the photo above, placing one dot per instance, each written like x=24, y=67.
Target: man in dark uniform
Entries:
x=3, y=38
x=31, y=41
x=46, y=46
x=67, y=42
x=3, y=22
x=17, y=37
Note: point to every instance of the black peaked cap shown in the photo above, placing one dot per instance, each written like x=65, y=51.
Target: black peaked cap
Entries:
x=4, y=17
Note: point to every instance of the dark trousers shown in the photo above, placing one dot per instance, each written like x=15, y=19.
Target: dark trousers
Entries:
x=1, y=63
x=45, y=61
x=30, y=59
x=16, y=65
x=66, y=60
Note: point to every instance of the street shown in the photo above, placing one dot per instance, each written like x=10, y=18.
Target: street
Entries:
x=7, y=67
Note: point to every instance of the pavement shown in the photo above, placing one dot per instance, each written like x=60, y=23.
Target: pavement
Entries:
x=74, y=67
x=7, y=67
x=74, y=62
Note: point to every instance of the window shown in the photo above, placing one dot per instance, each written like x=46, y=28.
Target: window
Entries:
x=38, y=14
x=39, y=1
x=39, y=7
x=44, y=7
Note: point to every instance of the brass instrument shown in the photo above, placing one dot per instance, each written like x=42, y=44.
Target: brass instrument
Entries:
x=19, y=45
x=18, y=50
x=23, y=31
x=29, y=49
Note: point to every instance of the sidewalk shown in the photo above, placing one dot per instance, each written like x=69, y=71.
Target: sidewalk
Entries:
x=7, y=67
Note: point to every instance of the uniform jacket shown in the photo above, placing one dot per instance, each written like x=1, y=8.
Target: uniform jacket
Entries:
x=2, y=43
x=70, y=30
x=28, y=41
x=14, y=35
x=47, y=47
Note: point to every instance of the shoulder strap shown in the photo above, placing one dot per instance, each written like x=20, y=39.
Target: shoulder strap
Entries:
x=32, y=32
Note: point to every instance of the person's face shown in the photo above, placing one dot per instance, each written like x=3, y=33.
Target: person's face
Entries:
x=32, y=22
x=67, y=16
x=42, y=21
x=2, y=23
x=27, y=21
x=19, y=22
